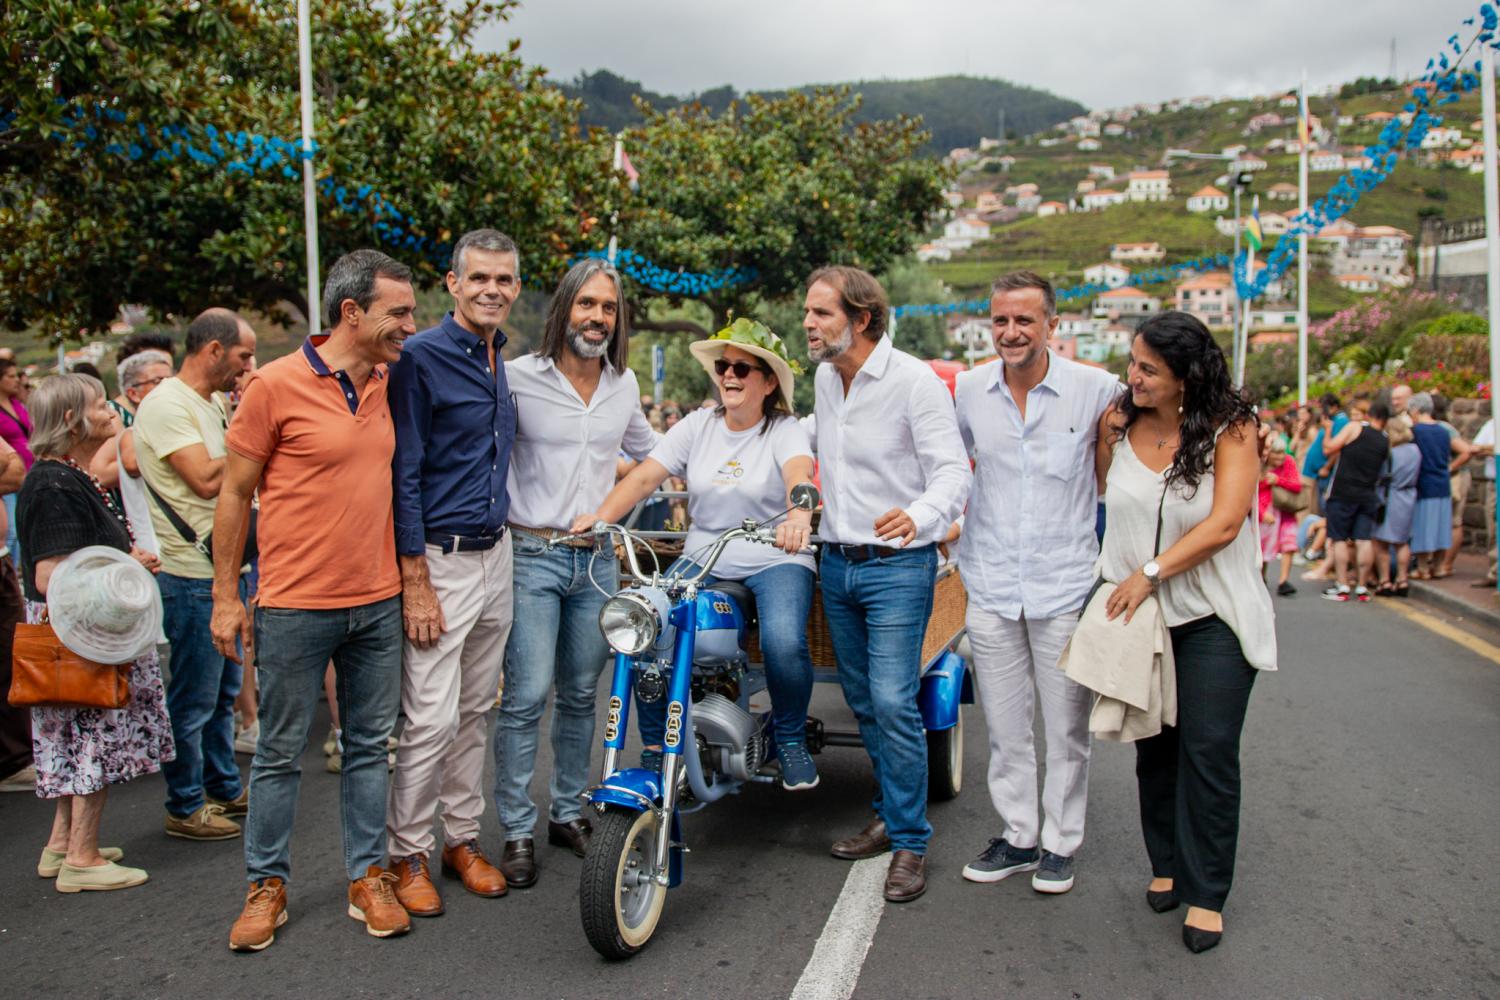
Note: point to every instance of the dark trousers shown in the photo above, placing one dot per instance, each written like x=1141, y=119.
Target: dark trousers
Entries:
x=15, y=723
x=1189, y=775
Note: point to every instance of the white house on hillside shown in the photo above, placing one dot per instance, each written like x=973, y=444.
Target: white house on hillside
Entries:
x=1208, y=199
x=1103, y=171
x=933, y=251
x=1125, y=302
x=1106, y=274
x=1149, y=185
x=1101, y=199
x=1363, y=283
x=1325, y=161
x=1047, y=208
x=1089, y=145
x=964, y=231
x=1282, y=192
x=1148, y=252
x=1250, y=163
x=1442, y=137
x=1210, y=297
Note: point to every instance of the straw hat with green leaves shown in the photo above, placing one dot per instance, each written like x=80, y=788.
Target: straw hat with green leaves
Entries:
x=753, y=338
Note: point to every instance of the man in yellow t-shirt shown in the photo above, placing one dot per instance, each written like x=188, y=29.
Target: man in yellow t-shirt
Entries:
x=179, y=437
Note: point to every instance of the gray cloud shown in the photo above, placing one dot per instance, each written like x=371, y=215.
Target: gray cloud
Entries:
x=1100, y=54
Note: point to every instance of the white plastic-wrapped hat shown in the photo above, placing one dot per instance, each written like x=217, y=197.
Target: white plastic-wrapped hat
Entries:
x=104, y=605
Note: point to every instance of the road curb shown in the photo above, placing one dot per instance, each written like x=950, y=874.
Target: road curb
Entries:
x=1455, y=605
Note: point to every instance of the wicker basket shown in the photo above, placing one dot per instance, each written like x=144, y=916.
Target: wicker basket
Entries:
x=950, y=602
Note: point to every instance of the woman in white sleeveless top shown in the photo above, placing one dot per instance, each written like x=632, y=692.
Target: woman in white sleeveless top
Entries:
x=1182, y=441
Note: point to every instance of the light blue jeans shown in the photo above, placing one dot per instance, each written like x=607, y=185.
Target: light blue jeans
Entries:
x=877, y=614
x=783, y=599
x=554, y=642
x=292, y=649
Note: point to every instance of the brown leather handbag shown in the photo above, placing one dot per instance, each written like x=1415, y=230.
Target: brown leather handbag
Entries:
x=47, y=674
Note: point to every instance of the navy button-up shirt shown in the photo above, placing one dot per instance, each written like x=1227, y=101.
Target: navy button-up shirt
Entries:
x=455, y=424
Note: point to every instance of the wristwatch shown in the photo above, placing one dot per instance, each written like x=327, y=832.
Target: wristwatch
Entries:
x=1152, y=572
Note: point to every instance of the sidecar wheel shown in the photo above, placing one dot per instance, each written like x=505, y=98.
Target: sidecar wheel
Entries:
x=945, y=761
x=619, y=903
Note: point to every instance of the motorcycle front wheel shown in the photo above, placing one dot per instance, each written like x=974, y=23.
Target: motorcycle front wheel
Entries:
x=619, y=901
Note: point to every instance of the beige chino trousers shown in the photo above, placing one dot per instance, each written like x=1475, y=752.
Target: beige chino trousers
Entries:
x=446, y=692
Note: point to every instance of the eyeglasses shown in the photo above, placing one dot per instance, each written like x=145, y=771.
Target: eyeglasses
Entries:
x=741, y=369
x=143, y=383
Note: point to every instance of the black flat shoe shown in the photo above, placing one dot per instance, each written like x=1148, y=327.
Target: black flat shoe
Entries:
x=1199, y=940
x=1401, y=590
x=1162, y=901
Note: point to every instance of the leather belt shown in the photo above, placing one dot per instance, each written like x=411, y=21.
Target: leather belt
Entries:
x=553, y=533
x=862, y=553
x=465, y=543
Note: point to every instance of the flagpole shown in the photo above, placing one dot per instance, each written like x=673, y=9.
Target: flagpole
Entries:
x=1243, y=347
x=614, y=217
x=1491, y=212
x=309, y=179
x=1306, y=138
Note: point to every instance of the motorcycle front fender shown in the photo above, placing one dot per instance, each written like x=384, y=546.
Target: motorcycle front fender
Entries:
x=632, y=787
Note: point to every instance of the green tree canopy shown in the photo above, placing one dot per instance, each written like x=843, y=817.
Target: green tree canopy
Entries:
x=778, y=187
x=452, y=138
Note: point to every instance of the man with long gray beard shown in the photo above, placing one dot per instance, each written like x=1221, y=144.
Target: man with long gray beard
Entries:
x=576, y=411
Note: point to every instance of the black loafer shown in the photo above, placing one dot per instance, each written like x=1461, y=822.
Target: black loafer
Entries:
x=519, y=864
x=573, y=835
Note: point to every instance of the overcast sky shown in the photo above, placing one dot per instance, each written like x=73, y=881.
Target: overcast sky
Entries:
x=1136, y=52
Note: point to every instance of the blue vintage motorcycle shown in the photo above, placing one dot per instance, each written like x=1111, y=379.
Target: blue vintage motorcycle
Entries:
x=676, y=638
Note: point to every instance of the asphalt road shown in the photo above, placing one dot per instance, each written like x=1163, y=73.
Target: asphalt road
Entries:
x=1368, y=867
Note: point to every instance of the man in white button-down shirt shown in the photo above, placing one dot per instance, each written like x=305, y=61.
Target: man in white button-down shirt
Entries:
x=894, y=479
x=1030, y=422
x=577, y=408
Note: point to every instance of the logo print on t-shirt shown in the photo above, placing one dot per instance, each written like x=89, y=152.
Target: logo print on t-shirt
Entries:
x=729, y=473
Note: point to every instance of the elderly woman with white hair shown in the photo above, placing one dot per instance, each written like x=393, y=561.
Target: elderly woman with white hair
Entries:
x=80, y=752
x=1442, y=454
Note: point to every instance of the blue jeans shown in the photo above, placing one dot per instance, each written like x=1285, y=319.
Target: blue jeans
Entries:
x=554, y=640
x=293, y=648
x=783, y=598
x=877, y=614
x=200, y=699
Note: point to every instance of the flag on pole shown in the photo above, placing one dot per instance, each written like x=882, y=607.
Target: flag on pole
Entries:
x=1253, y=235
x=1303, y=132
x=631, y=174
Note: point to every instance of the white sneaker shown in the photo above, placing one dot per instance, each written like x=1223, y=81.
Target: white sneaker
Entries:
x=245, y=740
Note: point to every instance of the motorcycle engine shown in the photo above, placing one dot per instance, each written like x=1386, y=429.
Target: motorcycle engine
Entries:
x=735, y=745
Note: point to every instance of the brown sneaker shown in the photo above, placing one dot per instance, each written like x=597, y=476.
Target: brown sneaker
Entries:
x=238, y=806
x=208, y=823
x=265, y=910
x=871, y=842
x=372, y=899
x=414, y=888
x=464, y=861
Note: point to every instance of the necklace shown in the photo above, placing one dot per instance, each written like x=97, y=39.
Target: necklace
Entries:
x=104, y=494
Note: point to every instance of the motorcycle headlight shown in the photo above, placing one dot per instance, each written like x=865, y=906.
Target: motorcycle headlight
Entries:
x=630, y=623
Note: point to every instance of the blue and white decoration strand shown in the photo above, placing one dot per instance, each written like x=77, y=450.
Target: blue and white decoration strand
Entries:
x=673, y=282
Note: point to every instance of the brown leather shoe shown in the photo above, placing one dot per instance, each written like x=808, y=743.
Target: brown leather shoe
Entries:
x=373, y=901
x=265, y=910
x=414, y=888
x=519, y=863
x=573, y=834
x=907, y=877
x=870, y=842
x=464, y=861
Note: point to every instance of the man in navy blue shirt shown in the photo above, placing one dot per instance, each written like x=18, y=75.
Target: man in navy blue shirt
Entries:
x=455, y=424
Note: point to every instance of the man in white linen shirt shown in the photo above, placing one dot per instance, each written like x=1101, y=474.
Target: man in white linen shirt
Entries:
x=1027, y=558
x=577, y=406
x=894, y=479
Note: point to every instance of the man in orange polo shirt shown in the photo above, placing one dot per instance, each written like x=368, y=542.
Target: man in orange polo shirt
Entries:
x=314, y=435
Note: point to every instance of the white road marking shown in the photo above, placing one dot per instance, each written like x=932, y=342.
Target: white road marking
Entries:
x=833, y=970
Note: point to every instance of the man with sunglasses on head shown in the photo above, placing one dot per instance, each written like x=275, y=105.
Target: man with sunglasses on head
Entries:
x=577, y=410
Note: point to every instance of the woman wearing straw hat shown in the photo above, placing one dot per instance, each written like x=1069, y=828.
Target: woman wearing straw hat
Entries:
x=75, y=570
x=740, y=460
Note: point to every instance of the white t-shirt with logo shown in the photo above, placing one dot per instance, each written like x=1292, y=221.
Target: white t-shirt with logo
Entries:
x=732, y=475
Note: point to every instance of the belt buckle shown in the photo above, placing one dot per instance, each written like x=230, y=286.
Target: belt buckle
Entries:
x=458, y=543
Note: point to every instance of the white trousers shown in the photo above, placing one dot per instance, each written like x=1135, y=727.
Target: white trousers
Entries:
x=1014, y=662
x=446, y=692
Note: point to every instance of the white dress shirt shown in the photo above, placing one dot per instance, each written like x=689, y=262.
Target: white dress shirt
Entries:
x=563, y=462
x=891, y=443
x=1028, y=543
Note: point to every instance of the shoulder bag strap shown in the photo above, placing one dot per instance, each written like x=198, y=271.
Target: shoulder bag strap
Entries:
x=183, y=528
x=1160, y=506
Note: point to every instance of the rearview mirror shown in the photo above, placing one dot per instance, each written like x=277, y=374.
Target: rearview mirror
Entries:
x=805, y=496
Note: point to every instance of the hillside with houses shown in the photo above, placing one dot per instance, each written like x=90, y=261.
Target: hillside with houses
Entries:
x=1106, y=193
